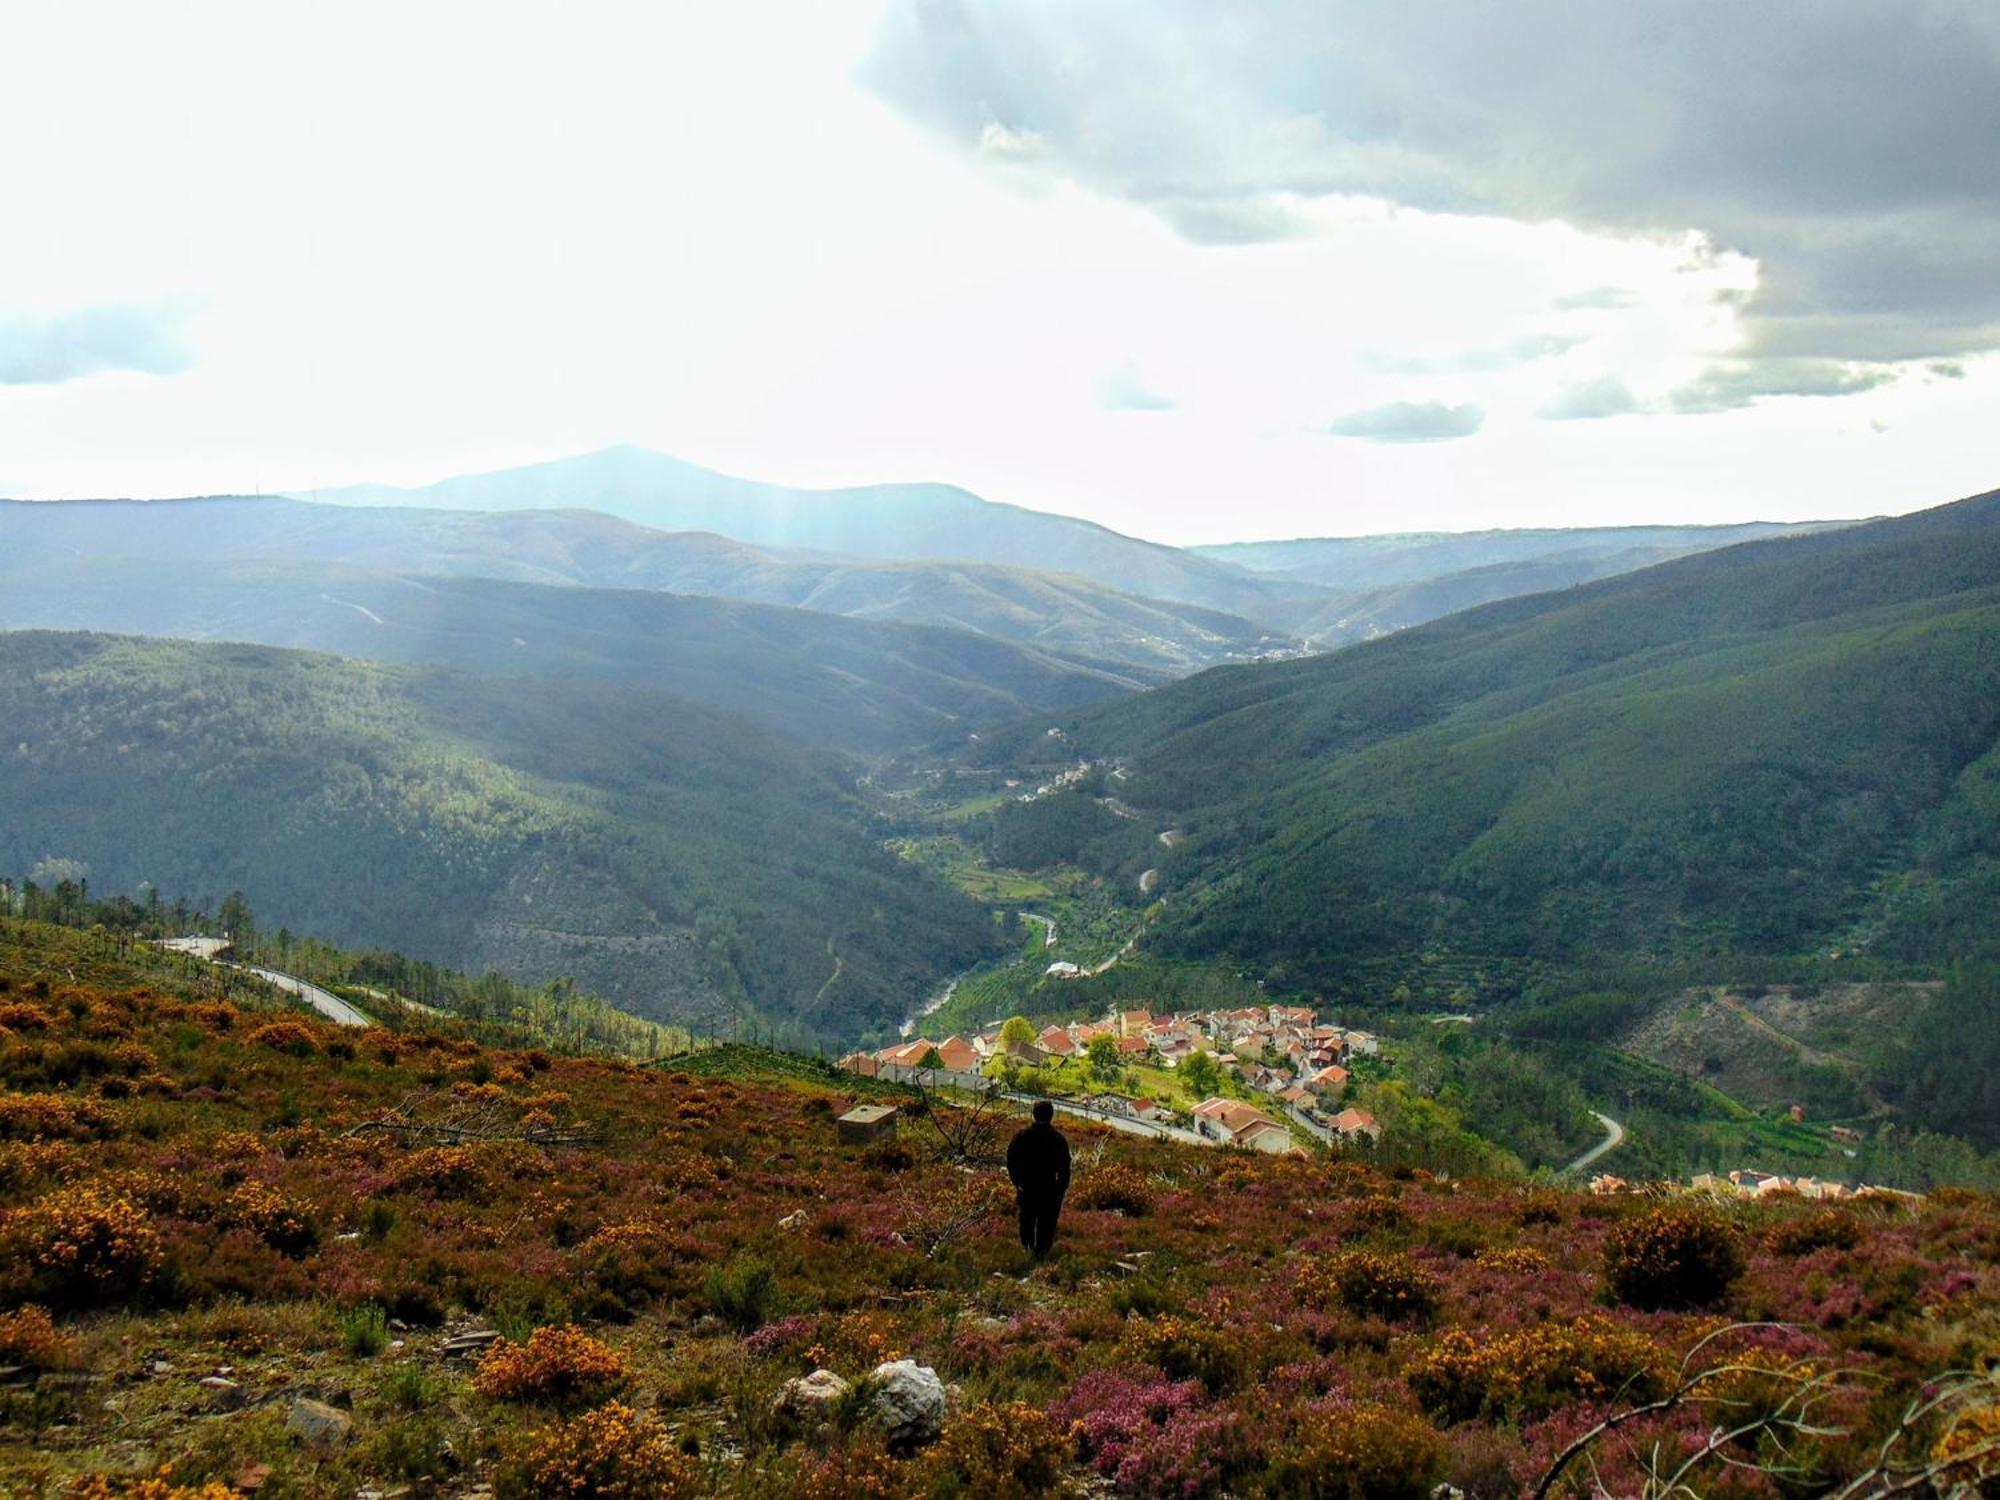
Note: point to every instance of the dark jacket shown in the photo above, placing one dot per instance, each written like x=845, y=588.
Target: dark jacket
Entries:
x=1038, y=1162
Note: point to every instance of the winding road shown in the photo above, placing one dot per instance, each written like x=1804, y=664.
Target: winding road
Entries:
x=331, y=1006
x=1614, y=1136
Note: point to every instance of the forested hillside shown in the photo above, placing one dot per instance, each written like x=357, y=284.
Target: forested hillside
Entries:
x=56, y=560
x=857, y=685
x=684, y=863
x=1783, y=746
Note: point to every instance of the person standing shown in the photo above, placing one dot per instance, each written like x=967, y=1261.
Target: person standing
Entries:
x=1038, y=1165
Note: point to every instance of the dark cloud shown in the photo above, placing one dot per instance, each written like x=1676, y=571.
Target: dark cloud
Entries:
x=47, y=349
x=1409, y=422
x=1607, y=396
x=1123, y=389
x=1847, y=144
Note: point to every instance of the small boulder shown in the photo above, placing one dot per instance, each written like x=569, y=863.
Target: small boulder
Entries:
x=318, y=1423
x=810, y=1398
x=909, y=1403
x=223, y=1393
x=793, y=1220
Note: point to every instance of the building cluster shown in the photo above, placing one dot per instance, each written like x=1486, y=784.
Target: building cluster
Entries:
x=1283, y=1052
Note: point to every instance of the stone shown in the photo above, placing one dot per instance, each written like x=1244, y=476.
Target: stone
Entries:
x=909, y=1403
x=793, y=1220
x=223, y=1393
x=467, y=1345
x=810, y=1398
x=316, y=1422
x=251, y=1478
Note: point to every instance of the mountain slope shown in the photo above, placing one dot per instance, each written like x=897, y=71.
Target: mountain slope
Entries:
x=120, y=549
x=904, y=521
x=681, y=862
x=1724, y=753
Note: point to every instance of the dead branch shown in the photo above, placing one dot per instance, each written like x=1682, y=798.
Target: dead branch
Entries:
x=428, y=1117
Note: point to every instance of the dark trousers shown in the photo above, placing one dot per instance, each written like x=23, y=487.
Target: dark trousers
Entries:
x=1038, y=1221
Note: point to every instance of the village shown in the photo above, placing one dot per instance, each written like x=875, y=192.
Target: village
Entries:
x=1257, y=1077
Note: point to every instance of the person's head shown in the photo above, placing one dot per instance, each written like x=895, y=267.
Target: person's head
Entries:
x=1045, y=1112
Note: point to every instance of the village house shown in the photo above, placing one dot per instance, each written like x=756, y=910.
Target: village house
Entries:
x=863, y=1063
x=1352, y=1123
x=956, y=1053
x=1331, y=1079
x=1235, y=1123
x=1056, y=1042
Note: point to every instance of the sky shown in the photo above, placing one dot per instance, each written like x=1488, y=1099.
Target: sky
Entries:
x=1199, y=272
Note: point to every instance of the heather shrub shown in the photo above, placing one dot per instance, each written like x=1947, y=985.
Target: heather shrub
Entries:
x=556, y=1366
x=1009, y=1451
x=1375, y=1285
x=629, y=1265
x=83, y=1246
x=1113, y=1186
x=285, y=1036
x=1112, y=1415
x=742, y=1293
x=1533, y=1372
x=1378, y=1211
x=612, y=1453
x=29, y=1337
x=275, y=1219
x=448, y=1172
x=1827, y=1229
x=1357, y=1453
x=1671, y=1257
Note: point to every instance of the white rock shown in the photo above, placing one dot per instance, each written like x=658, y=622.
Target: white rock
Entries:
x=810, y=1397
x=909, y=1403
x=317, y=1422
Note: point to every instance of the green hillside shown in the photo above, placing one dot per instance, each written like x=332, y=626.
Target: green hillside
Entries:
x=937, y=522
x=683, y=863
x=1779, y=747
x=119, y=556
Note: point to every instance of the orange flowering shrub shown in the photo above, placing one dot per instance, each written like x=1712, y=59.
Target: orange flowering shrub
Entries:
x=285, y=1036
x=18, y=1017
x=442, y=1171
x=1375, y=1285
x=560, y=1366
x=52, y=1117
x=1006, y=1451
x=84, y=1246
x=30, y=1337
x=24, y=1163
x=612, y=1453
x=1969, y=1450
x=1523, y=1260
x=275, y=1219
x=1828, y=1229
x=1117, y=1187
x=160, y=1487
x=1533, y=1372
x=1365, y=1453
x=1189, y=1349
x=1671, y=1257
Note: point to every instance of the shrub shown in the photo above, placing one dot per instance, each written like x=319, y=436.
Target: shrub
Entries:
x=1379, y=1211
x=159, y=1487
x=1671, y=1257
x=1828, y=1229
x=364, y=1331
x=630, y=1264
x=1533, y=1372
x=1362, y=1453
x=743, y=1293
x=1391, y=1287
x=1540, y=1207
x=271, y=1216
x=1513, y=1260
x=51, y=1117
x=442, y=1171
x=1187, y=1349
x=30, y=1337
x=83, y=1246
x=1116, y=1187
x=285, y=1036
x=612, y=1453
x=1112, y=1415
x=1009, y=1452
x=559, y=1366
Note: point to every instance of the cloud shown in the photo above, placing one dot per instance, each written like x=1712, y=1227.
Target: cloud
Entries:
x=1606, y=396
x=1728, y=385
x=1123, y=389
x=1840, y=144
x=49, y=348
x=1598, y=298
x=1508, y=356
x=1409, y=422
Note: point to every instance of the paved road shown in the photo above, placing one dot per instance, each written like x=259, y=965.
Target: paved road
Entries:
x=331, y=1006
x=1049, y=937
x=1614, y=1135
